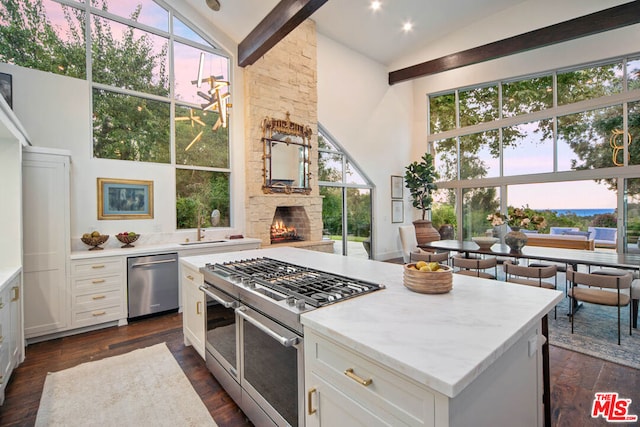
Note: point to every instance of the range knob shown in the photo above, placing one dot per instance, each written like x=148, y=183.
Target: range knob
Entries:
x=300, y=304
x=250, y=283
x=291, y=300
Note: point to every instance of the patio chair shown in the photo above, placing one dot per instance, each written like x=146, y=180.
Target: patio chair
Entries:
x=532, y=276
x=475, y=267
x=602, y=289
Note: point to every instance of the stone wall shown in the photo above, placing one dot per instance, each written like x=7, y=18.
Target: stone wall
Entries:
x=283, y=80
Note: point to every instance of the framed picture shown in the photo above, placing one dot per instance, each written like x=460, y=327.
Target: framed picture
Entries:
x=125, y=199
x=396, y=187
x=6, y=88
x=397, y=211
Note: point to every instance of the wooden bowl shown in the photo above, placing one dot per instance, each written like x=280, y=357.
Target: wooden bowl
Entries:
x=428, y=282
x=95, y=241
x=127, y=239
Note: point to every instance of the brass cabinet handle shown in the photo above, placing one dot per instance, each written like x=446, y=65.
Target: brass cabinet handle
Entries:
x=190, y=277
x=99, y=297
x=98, y=281
x=99, y=313
x=198, y=309
x=356, y=378
x=16, y=293
x=1, y=303
x=311, y=410
x=1, y=339
x=98, y=266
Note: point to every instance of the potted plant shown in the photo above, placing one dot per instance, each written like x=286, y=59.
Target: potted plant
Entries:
x=420, y=179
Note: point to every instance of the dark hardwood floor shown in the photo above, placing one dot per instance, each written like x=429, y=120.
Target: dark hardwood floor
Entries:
x=574, y=377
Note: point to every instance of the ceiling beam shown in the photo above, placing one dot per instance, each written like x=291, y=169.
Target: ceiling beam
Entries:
x=283, y=19
x=594, y=23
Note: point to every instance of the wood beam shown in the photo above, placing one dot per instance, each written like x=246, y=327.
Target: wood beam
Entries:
x=283, y=19
x=594, y=23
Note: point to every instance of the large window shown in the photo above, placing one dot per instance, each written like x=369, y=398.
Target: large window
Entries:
x=504, y=144
x=346, y=203
x=146, y=103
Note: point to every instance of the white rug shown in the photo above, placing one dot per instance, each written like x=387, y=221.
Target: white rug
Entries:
x=145, y=387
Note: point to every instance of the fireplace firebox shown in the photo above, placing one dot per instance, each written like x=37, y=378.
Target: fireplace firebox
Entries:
x=290, y=224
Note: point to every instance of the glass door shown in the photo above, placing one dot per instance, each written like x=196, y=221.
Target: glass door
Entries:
x=631, y=243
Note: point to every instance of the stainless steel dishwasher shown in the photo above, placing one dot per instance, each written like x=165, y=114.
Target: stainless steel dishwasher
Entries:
x=152, y=283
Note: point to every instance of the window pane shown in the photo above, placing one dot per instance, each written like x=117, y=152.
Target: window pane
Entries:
x=325, y=144
x=634, y=130
x=480, y=155
x=128, y=58
x=329, y=167
x=353, y=176
x=527, y=96
x=358, y=222
x=181, y=29
x=186, y=69
x=632, y=214
x=584, y=139
x=202, y=192
x=442, y=110
x=38, y=36
x=477, y=204
x=633, y=74
x=146, y=12
x=528, y=148
x=196, y=143
x=130, y=128
x=446, y=159
x=589, y=83
x=443, y=212
x=478, y=105
x=332, y=216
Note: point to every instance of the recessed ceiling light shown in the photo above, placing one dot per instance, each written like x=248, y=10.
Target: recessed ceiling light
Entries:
x=407, y=26
x=375, y=5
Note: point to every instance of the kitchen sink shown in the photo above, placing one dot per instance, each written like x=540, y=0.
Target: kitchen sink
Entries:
x=202, y=242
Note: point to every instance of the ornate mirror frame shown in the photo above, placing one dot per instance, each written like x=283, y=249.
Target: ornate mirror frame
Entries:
x=279, y=131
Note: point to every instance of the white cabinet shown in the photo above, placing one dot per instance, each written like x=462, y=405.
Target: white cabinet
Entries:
x=193, y=306
x=98, y=291
x=46, y=242
x=344, y=387
x=11, y=338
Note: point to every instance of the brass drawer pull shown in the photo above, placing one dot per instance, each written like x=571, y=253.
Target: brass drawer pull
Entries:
x=97, y=281
x=99, y=297
x=190, y=277
x=198, y=309
x=310, y=409
x=359, y=380
x=1, y=339
x=99, y=313
x=98, y=266
x=16, y=293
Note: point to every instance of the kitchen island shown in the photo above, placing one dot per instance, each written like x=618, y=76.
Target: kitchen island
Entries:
x=469, y=357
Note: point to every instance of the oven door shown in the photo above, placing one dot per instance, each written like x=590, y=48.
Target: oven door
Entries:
x=222, y=355
x=272, y=371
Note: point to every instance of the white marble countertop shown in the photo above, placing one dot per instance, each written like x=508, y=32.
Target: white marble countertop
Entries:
x=442, y=341
x=162, y=248
x=8, y=273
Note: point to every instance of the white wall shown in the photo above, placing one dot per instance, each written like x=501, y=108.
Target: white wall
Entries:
x=373, y=122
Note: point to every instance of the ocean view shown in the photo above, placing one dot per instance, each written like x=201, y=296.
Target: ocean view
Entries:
x=582, y=212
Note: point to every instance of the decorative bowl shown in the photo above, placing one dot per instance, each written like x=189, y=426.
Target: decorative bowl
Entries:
x=428, y=282
x=127, y=239
x=95, y=241
x=485, y=242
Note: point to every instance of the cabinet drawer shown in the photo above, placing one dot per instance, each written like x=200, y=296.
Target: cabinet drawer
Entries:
x=98, y=315
x=97, y=283
x=96, y=267
x=191, y=276
x=97, y=300
x=407, y=402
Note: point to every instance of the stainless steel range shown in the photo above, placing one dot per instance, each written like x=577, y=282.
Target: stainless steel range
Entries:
x=254, y=335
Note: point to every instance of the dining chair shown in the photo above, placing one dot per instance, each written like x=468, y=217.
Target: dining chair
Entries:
x=421, y=255
x=603, y=289
x=475, y=267
x=532, y=276
x=634, y=291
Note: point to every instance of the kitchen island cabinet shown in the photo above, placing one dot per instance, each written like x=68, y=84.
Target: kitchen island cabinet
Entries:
x=193, y=305
x=472, y=356
x=11, y=336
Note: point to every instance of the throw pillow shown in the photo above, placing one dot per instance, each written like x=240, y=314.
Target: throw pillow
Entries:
x=577, y=233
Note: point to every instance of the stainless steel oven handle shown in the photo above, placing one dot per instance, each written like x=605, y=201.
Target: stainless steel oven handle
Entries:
x=287, y=342
x=225, y=304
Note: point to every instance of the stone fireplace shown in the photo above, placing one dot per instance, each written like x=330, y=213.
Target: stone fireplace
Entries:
x=283, y=81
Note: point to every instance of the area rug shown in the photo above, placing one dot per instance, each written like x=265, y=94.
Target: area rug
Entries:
x=145, y=387
x=596, y=332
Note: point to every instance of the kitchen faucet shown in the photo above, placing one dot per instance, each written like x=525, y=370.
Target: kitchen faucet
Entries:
x=200, y=231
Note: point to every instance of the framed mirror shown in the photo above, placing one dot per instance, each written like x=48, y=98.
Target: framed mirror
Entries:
x=286, y=156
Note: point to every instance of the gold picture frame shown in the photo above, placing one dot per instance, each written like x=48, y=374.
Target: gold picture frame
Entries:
x=125, y=199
